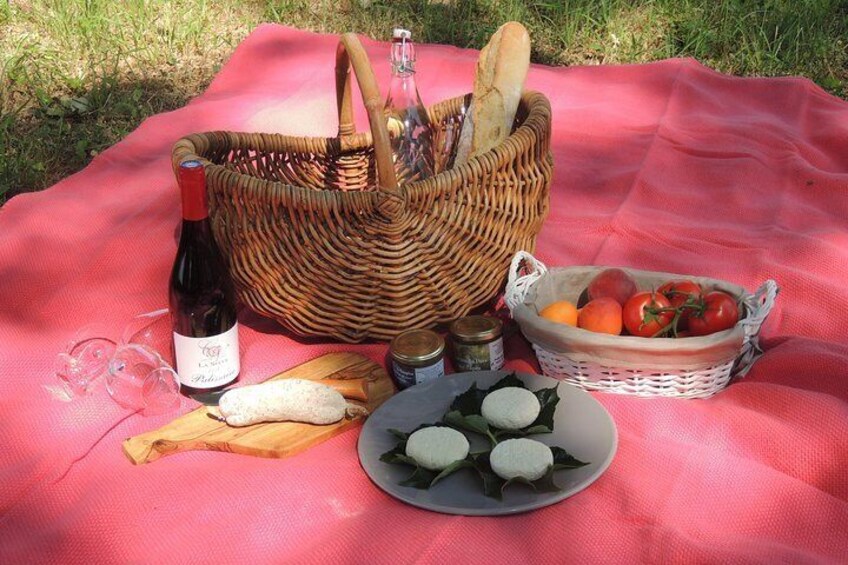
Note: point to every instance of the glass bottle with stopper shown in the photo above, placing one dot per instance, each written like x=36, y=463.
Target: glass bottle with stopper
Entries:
x=408, y=124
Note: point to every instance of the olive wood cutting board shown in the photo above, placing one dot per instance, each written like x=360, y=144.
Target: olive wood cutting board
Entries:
x=198, y=431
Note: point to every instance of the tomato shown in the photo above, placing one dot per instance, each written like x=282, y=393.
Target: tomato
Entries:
x=718, y=312
x=678, y=292
x=647, y=313
x=684, y=295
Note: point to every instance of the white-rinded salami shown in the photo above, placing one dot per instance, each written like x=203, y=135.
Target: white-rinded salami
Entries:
x=294, y=400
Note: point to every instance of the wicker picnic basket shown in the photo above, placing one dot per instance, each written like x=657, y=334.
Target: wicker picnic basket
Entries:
x=319, y=235
x=694, y=367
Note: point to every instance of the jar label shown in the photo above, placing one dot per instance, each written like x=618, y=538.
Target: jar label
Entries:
x=480, y=356
x=408, y=376
x=207, y=362
x=434, y=371
x=496, y=355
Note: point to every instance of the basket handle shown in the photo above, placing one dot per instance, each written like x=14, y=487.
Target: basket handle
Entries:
x=758, y=305
x=350, y=54
x=521, y=278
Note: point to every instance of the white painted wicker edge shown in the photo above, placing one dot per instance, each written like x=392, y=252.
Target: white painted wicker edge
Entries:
x=526, y=270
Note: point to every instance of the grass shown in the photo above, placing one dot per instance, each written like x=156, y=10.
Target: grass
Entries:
x=78, y=75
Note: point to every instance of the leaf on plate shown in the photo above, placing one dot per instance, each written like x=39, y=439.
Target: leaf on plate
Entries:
x=451, y=469
x=420, y=478
x=399, y=434
x=543, y=484
x=528, y=431
x=472, y=422
x=509, y=380
x=537, y=429
x=548, y=396
x=548, y=400
x=522, y=481
x=564, y=460
x=468, y=402
x=397, y=458
x=394, y=454
x=492, y=484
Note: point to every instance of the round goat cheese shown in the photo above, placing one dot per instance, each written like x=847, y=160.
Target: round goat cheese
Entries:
x=510, y=408
x=437, y=447
x=526, y=458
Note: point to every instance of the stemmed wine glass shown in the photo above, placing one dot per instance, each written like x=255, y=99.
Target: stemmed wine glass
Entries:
x=137, y=369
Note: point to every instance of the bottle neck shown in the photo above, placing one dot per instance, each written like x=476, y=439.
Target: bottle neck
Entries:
x=403, y=58
x=195, y=206
x=403, y=87
x=198, y=230
x=403, y=92
x=196, y=238
x=403, y=69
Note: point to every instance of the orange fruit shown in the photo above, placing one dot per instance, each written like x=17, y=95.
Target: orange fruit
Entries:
x=602, y=315
x=561, y=312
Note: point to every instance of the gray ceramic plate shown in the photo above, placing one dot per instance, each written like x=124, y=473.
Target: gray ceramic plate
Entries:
x=581, y=426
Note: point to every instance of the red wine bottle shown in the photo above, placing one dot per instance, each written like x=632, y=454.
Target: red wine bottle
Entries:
x=202, y=300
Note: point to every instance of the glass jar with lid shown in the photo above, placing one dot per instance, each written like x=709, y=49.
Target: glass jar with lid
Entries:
x=417, y=356
x=477, y=343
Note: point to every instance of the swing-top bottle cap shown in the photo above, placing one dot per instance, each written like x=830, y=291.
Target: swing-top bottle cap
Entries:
x=400, y=33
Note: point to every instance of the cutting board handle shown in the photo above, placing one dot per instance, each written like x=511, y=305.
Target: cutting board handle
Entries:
x=352, y=389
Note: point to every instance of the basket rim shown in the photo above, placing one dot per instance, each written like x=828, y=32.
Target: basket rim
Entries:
x=535, y=127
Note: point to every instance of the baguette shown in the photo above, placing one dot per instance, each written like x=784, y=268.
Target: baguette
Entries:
x=501, y=72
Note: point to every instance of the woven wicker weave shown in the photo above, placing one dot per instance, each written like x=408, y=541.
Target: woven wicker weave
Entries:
x=688, y=379
x=313, y=241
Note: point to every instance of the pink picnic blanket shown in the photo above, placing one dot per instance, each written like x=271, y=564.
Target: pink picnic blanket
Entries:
x=667, y=166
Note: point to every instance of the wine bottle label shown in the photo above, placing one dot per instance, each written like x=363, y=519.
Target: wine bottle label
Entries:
x=207, y=362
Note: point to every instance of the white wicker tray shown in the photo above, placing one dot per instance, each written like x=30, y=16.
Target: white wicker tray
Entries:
x=643, y=378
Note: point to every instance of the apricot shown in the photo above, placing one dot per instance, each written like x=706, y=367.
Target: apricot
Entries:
x=612, y=283
x=602, y=315
x=561, y=312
